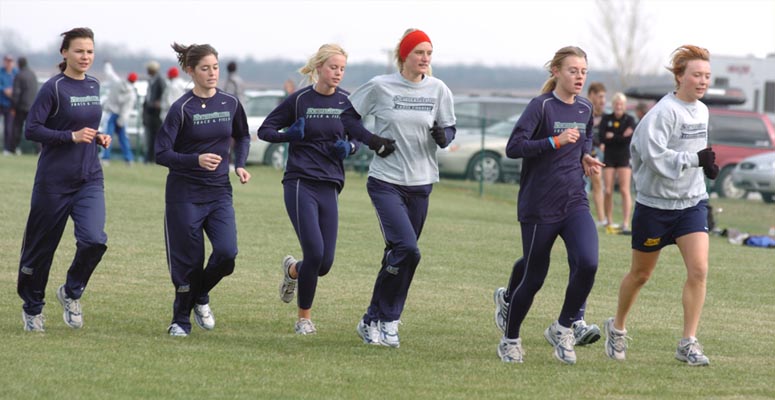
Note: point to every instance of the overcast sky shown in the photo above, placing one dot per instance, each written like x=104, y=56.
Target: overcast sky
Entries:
x=513, y=33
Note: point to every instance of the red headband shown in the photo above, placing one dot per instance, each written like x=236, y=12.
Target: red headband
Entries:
x=410, y=41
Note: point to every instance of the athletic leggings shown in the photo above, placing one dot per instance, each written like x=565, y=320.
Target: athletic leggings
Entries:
x=45, y=225
x=184, y=227
x=579, y=233
x=401, y=211
x=314, y=212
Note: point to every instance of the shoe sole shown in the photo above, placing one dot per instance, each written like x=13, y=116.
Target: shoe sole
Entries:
x=683, y=359
x=589, y=338
x=64, y=313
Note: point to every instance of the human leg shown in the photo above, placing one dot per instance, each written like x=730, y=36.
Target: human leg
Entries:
x=17, y=130
x=596, y=181
x=624, y=175
x=88, y=215
x=184, y=239
x=45, y=225
x=110, y=128
x=123, y=140
x=608, y=193
x=694, y=250
x=221, y=228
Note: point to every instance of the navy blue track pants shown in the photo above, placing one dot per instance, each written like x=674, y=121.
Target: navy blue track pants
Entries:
x=184, y=227
x=579, y=233
x=45, y=225
x=314, y=212
x=401, y=211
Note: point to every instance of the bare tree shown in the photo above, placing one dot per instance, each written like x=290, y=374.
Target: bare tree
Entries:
x=623, y=30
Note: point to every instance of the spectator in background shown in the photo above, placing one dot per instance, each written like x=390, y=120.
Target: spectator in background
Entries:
x=7, y=73
x=25, y=87
x=122, y=98
x=615, y=134
x=176, y=87
x=640, y=111
x=234, y=84
x=289, y=87
x=152, y=109
x=596, y=95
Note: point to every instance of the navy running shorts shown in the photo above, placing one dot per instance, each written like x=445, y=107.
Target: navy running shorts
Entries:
x=653, y=229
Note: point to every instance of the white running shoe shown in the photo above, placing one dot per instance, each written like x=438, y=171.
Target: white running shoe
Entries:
x=510, y=350
x=388, y=333
x=585, y=334
x=369, y=333
x=33, y=323
x=501, y=308
x=176, y=331
x=615, y=341
x=288, y=284
x=305, y=327
x=204, y=316
x=690, y=351
x=562, y=339
x=72, y=309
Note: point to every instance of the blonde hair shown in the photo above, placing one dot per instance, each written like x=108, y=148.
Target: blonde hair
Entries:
x=682, y=56
x=310, y=70
x=556, y=62
x=397, y=53
x=619, y=96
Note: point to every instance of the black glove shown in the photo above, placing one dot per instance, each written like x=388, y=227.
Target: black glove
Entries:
x=383, y=147
x=341, y=149
x=438, y=134
x=296, y=131
x=707, y=158
x=711, y=172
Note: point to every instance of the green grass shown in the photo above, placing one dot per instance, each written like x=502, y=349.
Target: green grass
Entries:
x=448, y=336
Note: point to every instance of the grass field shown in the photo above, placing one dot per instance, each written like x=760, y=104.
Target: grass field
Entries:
x=448, y=338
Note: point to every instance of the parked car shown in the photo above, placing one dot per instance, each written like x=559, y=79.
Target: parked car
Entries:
x=757, y=173
x=474, y=112
x=464, y=157
x=734, y=134
x=258, y=104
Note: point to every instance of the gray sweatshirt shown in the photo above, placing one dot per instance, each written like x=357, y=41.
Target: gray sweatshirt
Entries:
x=665, y=166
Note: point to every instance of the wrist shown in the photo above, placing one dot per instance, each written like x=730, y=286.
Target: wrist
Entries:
x=556, y=142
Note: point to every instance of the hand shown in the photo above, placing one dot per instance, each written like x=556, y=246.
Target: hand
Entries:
x=383, y=147
x=296, y=131
x=209, y=161
x=243, y=174
x=609, y=135
x=711, y=172
x=570, y=135
x=591, y=165
x=104, y=140
x=628, y=132
x=340, y=150
x=707, y=157
x=438, y=134
x=84, y=135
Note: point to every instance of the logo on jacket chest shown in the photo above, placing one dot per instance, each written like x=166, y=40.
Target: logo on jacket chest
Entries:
x=211, y=118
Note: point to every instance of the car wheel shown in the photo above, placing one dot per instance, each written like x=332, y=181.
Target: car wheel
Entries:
x=725, y=187
x=275, y=156
x=768, y=197
x=486, y=167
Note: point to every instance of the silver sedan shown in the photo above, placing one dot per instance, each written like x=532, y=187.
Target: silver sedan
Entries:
x=757, y=174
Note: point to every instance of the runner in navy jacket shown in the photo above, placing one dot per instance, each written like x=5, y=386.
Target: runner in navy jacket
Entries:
x=554, y=138
x=314, y=175
x=64, y=118
x=193, y=141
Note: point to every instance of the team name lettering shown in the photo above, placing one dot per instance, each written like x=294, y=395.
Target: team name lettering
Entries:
x=414, y=103
x=313, y=113
x=222, y=116
x=76, y=101
x=559, y=127
x=694, y=131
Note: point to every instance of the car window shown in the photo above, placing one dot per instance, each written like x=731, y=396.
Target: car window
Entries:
x=467, y=115
x=261, y=106
x=494, y=112
x=738, y=130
